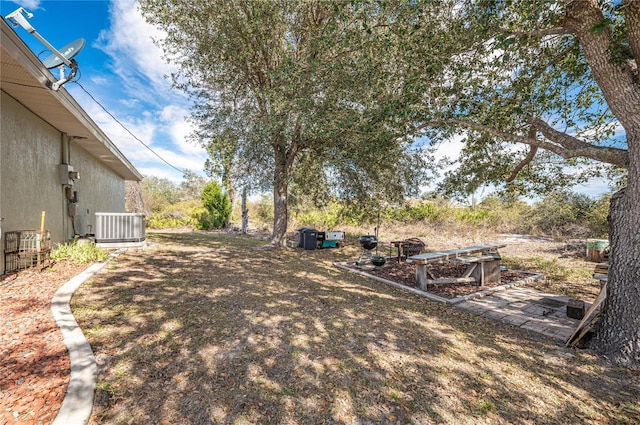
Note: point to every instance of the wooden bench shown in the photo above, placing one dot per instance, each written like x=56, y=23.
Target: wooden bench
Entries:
x=483, y=261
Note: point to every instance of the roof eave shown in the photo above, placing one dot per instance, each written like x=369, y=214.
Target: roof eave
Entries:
x=58, y=108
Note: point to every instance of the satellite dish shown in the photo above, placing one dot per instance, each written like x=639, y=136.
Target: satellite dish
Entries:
x=69, y=52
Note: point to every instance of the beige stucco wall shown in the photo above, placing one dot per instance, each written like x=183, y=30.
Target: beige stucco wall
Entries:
x=99, y=189
x=30, y=154
x=29, y=158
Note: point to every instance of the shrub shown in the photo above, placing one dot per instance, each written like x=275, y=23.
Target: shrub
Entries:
x=597, y=217
x=562, y=214
x=78, y=253
x=472, y=216
x=217, y=206
x=262, y=210
x=181, y=214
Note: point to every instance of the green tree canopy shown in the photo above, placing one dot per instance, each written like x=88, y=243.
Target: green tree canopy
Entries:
x=192, y=185
x=159, y=192
x=276, y=80
x=533, y=89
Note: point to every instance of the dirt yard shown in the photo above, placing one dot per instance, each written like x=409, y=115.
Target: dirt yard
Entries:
x=207, y=328
x=214, y=328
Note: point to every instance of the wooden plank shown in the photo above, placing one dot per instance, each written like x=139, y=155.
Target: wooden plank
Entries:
x=474, y=259
x=470, y=269
x=450, y=280
x=602, y=268
x=590, y=318
x=430, y=275
x=424, y=277
x=440, y=256
x=489, y=272
x=421, y=276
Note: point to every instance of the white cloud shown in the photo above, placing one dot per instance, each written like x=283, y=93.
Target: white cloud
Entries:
x=99, y=80
x=170, y=174
x=450, y=149
x=171, y=112
x=180, y=129
x=191, y=162
x=594, y=188
x=28, y=4
x=130, y=45
x=135, y=91
x=165, y=133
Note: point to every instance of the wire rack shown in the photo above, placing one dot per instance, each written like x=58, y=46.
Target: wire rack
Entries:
x=26, y=248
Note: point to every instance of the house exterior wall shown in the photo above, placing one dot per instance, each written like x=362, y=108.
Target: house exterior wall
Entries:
x=31, y=152
x=99, y=189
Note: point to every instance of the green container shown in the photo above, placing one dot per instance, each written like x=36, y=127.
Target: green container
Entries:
x=329, y=244
x=597, y=244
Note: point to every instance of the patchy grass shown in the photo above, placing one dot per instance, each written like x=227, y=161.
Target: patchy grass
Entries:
x=572, y=278
x=213, y=328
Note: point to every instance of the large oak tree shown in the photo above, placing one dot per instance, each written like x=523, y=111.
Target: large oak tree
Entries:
x=546, y=93
x=289, y=81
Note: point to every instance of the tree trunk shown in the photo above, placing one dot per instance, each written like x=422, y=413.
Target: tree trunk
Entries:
x=227, y=183
x=245, y=211
x=280, y=189
x=618, y=331
x=134, y=198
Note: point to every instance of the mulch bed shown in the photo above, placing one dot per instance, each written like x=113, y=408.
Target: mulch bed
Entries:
x=405, y=274
x=34, y=372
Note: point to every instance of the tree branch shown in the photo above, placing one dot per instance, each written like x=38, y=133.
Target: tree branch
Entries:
x=555, y=141
x=617, y=82
x=554, y=60
x=526, y=160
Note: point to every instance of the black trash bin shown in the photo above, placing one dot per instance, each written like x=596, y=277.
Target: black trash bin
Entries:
x=301, y=233
x=309, y=237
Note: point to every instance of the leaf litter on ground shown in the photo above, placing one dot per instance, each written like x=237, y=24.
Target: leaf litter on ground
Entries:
x=207, y=328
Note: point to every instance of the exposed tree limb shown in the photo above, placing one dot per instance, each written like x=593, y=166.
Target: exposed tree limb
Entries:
x=532, y=153
x=616, y=81
x=555, y=141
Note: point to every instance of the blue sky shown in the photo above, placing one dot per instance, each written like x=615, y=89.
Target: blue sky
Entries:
x=122, y=68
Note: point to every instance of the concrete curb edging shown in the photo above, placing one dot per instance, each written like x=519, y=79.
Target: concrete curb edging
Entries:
x=483, y=293
x=78, y=401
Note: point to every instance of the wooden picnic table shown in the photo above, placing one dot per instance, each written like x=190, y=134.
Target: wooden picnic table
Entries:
x=483, y=260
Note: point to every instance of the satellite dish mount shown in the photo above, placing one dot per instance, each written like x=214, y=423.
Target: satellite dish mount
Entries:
x=57, y=59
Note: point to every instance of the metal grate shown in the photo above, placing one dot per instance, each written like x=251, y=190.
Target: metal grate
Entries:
x=120, y=227
x=26, y=248
x=412, y=246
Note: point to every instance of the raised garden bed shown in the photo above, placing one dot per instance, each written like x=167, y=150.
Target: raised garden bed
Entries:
x=404, y=273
